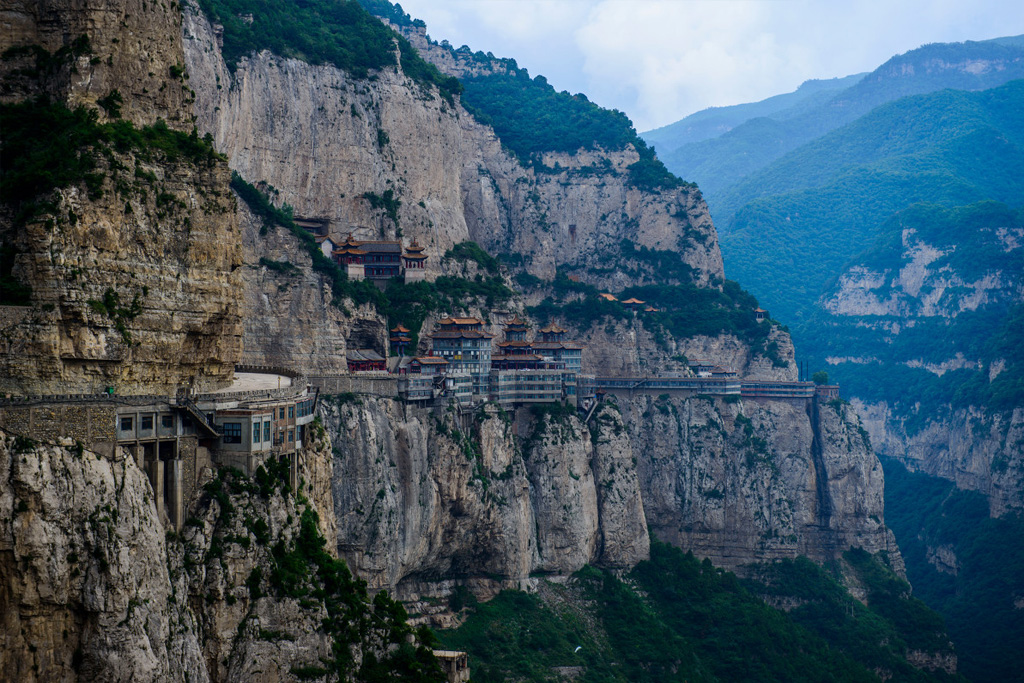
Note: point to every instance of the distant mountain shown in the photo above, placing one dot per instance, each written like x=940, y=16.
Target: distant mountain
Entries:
x=714, y=121
x=718, y=163
x=818, y=206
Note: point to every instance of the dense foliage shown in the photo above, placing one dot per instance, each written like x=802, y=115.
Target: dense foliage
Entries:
x=969, y=246
x=979, y=600
x=676, y=618
x=948, y=148
x=685, y=311
x=401, y=303
x=338, y=32
x=531, y=118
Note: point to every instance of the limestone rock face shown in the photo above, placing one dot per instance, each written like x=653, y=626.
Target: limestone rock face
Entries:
x=131, y=270
x=977, y=450
x=133, y=46
x=628, y=348
x=290, y=319
x=752, y=481
x=324, y=141
x=424, y=498
x=135, y=295
x=86, y=588
x=92, y=588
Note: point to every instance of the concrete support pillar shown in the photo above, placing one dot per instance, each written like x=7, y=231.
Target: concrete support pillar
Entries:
x=174, y=493
x=157, y=480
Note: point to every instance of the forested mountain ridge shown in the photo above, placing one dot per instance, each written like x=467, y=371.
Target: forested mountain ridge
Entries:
x=949, y=147
x=718, y=164
x=715, y=121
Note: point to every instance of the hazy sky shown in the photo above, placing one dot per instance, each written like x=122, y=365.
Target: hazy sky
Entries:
x=660, y=60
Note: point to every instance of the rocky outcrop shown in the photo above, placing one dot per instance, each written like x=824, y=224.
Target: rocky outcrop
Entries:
x=132, y=290
x=750, y=481
x=86, y=590
x=978, y=450
x=131, y=46
x=427, y=497
x=630, y=348
x=130, y=260
x=292, y=319
x=938, y=297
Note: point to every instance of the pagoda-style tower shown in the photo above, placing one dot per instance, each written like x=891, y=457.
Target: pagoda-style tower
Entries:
x=552, y=333
x=515, y=343
x=400, y=340
x=415, y=262
x=351, y=258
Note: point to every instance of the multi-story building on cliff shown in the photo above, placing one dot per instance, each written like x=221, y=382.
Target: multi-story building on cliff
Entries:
x=467, y=348
x=172, y=438
x=380, y=260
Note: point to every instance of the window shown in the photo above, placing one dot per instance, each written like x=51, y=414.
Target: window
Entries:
x=147, y=422
x=281, y=416
x=167, y=421
x=256, y=433
x=266, y=431
x=291, y=435
x=291, y=412
x=232, y=432
x=126, y=424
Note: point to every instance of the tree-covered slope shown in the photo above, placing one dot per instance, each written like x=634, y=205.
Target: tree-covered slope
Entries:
x=950, y=148
x=963, y=564
x=948, y=281
x=716, y=165
x=338, y=32
x=675, y=618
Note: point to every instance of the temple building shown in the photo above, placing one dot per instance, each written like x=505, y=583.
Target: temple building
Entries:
x=352, y=258
x=415, y=262
x=400, y=339
x=467, y=348
x=380, y=259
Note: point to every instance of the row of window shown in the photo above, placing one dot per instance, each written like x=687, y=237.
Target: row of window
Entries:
x=231, y=432
x=146, y=422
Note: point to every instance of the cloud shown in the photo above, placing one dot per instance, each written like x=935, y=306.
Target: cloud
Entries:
x=660, y=60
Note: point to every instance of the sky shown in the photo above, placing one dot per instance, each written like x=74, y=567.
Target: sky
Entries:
x=661, y=60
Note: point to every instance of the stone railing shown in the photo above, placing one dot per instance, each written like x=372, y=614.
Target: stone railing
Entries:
x=375, y=385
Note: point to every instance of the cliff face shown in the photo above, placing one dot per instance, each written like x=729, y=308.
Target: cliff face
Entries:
x=92, y=588
x=131, y=46
x=748, y=481
x=86, y=586
x=425, y=498
x=129, y=264
x=631, y=349
x=324, y=140
x=978, y=450
x=928, y=318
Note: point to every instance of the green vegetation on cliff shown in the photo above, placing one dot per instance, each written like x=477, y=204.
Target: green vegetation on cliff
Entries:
x=684, y=311
x=338, y=32
x=531, y=118
x=371, y=639
x=968, y=244
x=675, y=618
x=46, y=147
x=965, y=565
